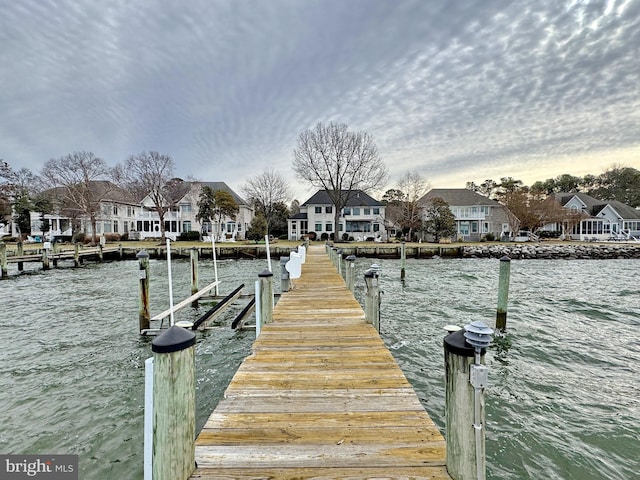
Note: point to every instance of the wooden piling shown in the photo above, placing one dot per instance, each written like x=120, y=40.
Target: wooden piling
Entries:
x=194, y=274
x=285, y=281
x=3, y=260
x=20, y=252
x=76, y=254
x=174, y=417
x=143, y=274
x=339, y=261
x=266, y=297
x=45, y=258
x=403, y=260
x=372, y=299
x=465, y=459
x=349, y=276
x=503, y=293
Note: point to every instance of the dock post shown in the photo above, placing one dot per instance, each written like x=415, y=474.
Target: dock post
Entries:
x=3, y=259
x=465, y=380
x=339, y=261
x=194, y=274
x=285, y=283
x=403, y=259
x=174, y=419
x=100, y=247
x=372, y=299
x=350, y=264
x=143, y=274
x=20, y=253
x=266, y=297
x=76, y=254
x=45, y=257
x=503, y=293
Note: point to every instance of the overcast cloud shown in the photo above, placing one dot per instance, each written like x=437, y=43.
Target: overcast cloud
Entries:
x=457, y=90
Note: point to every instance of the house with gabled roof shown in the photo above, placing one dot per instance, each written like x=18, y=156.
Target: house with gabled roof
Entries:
x=182, y=215
x=115, y=211
x=362, y=218
x=597, y=219
x=475, y=215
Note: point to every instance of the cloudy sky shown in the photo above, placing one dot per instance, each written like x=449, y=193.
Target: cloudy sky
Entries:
x=458, y=90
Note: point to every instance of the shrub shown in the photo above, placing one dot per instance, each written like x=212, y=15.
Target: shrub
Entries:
x=345, y=237
x=191, y=236
x=489, y=237
x=312, y=235
x=112, y=237
x=283, y=237
x=324, y=237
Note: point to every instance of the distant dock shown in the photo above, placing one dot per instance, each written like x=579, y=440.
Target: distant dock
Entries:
x=319, y=397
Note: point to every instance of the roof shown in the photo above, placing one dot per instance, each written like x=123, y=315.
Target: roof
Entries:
x=358, y=198
x=299, y=216
x=595, y=206
x=225, y=188
x=102, y=190
x=458, y=197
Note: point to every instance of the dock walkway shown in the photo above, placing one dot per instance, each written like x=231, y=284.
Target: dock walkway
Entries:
x=319, y=397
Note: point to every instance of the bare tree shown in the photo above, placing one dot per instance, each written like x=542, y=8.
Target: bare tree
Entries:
x=151, y=174
x=340, y=161
x=413, y=187
x=78, y=180
x=266, y=192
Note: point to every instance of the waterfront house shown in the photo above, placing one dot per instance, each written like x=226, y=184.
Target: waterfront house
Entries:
x=362, y=218
x=590, y=219
x=114, y=210
x=475, y=215
x=181, y=216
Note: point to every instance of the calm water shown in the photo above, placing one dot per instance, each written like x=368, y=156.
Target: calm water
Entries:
x=563, y=401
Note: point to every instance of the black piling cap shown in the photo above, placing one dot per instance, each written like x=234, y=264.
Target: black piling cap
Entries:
x=456, y=343
x=142, y=254
x=350, y=258
x=265, y=273
x=173, y=340
x=505, y=259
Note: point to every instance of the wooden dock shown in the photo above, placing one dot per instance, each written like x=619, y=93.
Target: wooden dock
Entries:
x=319, y=397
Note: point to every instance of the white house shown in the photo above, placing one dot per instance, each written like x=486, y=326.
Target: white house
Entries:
x=182, y=216
x=115, y=213
x=475, y=215
x=362, y=218
x=597, y=219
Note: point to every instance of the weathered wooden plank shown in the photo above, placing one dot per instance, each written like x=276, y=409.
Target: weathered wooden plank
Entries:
x=324, y=473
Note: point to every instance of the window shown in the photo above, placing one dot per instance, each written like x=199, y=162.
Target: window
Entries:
x=186, y=226
x=328, y=227
x=115, y=210
x=341, y=227
x=346, y=211
x=318, y=210
x=115, y=226
x=376, y=227
x=367, y=227
x=356, y=210
x=367, y=211
x=376, y=211
x=185, y=208
x=485, y=210
x=318, y=227
x=294, y=226
x=328, y=209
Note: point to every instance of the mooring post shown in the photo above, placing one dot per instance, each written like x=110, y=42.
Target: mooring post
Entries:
x=503, y=293
x=174, y=418
x=403, y=259
x=266, y=297
x=76, y=254
x=20, y=253
x=465, y=380
x=372, y=298
x=349, y=274
x=100, y=253
x=339, y=261
x=144, y=316
x=45, y=255
x=285, y=283
x=3, y=259
x=194, y=274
